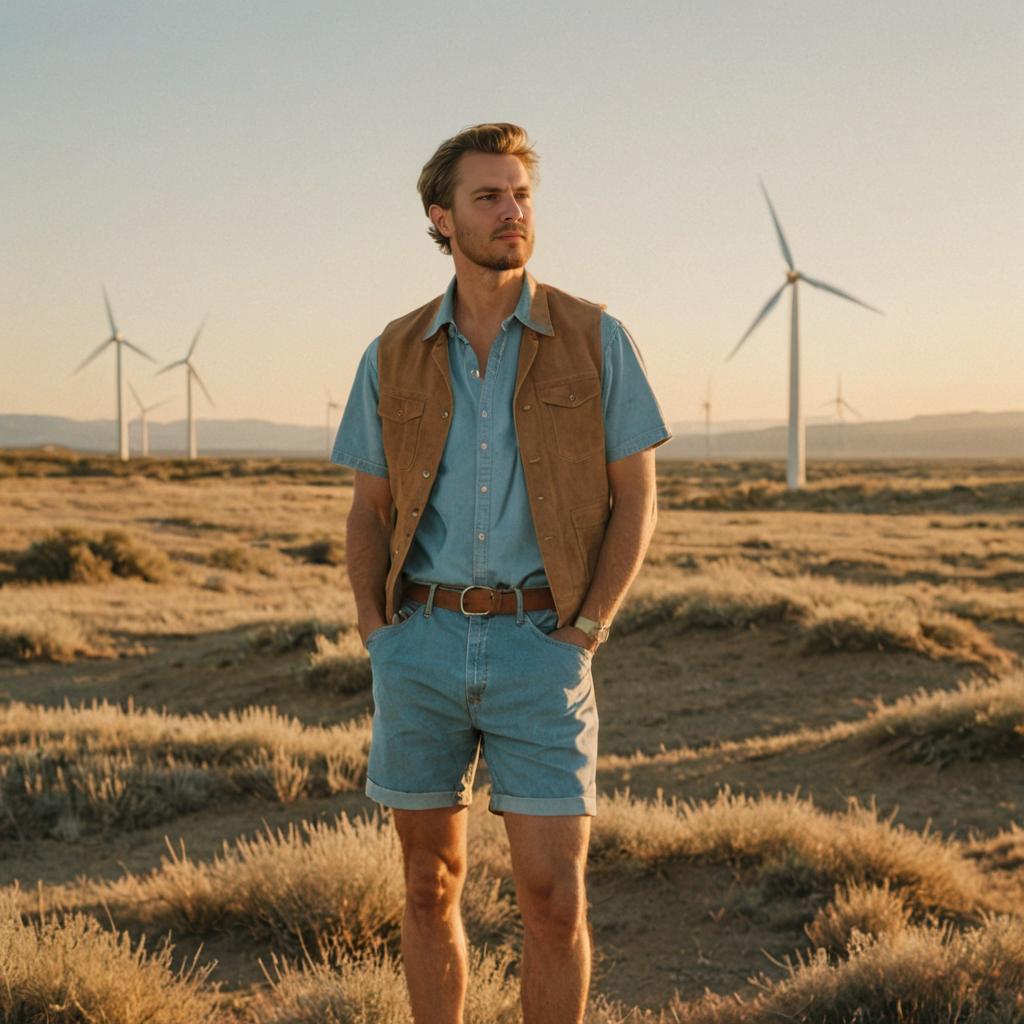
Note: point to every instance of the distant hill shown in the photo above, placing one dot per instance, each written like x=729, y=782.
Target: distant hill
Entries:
x=968, y=434
x=971, y=435
x=214, y=437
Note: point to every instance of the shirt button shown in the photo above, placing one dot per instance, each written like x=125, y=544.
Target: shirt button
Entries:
x=483, y=489
x=484, y=413
x=474, y=373
x=483, y=444
x=480, y=536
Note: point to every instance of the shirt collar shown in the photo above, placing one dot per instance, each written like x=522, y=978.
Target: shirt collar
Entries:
x=531, y=310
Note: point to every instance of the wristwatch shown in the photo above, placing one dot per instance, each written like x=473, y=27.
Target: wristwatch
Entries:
x=595, y=630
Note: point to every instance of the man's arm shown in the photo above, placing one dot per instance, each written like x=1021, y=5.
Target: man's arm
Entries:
x=630, y=528
x=367, y=536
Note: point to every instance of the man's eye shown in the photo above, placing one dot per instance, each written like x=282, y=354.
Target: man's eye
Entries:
x=489, y=195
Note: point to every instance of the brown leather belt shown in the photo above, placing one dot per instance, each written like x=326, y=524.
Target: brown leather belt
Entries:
x=476, y=600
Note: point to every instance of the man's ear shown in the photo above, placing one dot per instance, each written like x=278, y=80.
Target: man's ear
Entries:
x=441, y=219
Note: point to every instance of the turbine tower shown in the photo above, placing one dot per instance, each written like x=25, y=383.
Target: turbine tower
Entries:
x=116, y=339
x=840, y=404
x=191, y=372
x=332, y=406
x=143, y=410
x=795, y=469
x=706, y=409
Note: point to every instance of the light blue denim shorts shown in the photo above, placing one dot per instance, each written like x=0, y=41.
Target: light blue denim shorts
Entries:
x=448, y=687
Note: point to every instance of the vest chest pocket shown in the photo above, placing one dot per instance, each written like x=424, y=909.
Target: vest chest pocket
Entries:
x=574, y=413
x=401, y=413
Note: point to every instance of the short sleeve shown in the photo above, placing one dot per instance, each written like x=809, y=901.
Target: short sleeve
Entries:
x=359, y=444
x=632, y=416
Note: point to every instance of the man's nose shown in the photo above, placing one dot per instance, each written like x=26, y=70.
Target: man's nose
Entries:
x=511, y=210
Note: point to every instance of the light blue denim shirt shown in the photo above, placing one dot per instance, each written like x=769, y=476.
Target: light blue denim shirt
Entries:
x=477, y=526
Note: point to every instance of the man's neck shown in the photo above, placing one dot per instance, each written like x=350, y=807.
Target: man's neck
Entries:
x=483, y=298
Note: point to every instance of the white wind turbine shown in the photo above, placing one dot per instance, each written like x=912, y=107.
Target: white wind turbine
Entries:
x=795, y=469
x=841, y=404
x=706, y=409
x=191, y=372
x=116, y=339
x=143, y=410
x=332, y=406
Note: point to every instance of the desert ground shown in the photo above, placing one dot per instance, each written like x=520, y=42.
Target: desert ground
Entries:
x=811, y=775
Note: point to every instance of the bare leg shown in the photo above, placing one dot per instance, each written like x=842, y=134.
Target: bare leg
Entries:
x=549, y=856
x=433, y=940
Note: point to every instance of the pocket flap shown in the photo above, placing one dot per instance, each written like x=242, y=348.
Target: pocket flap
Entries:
x=393, y=406
x=570, y=393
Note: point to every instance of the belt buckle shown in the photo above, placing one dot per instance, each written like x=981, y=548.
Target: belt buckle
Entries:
x=465, y=591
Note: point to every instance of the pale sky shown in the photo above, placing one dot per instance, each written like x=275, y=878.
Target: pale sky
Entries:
x=257, y=161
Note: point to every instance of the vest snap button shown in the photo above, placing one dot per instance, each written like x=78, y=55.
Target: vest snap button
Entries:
x=527, y=407
x=399, y=414
x=540, y=497
x=426, y=472
x=415, y=512
x=444, y=414
x=572, y=398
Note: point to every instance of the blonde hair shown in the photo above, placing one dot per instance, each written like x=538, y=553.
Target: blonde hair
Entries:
x=438, y=178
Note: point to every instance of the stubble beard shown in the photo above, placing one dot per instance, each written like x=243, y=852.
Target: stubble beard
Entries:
x=482, y=257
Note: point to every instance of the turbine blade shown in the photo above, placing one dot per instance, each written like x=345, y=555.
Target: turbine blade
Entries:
x=760, y=316
x=851, y=408
x=778, y=229
x=831, y=401
x=837, y=291
x=135, y=395
x=89, y=358
x=169, y=366
x=199, y=381
x=135, y=348
x=156, y=405
x=192, y=347
x=110, y=315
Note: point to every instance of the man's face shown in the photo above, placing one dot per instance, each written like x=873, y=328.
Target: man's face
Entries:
x=491, y=219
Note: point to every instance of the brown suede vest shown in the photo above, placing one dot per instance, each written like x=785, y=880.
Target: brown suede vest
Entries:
x=559, y=427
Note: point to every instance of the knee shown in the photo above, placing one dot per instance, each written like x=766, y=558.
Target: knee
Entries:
x=553, y=908
x=433, y=884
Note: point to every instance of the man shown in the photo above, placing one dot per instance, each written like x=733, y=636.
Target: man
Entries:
x=502, y=440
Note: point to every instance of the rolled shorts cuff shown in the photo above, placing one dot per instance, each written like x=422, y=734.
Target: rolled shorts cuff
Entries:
x=544, y=806
x=415, y=801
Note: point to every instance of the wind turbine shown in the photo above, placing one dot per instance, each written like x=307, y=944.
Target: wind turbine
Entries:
x=795, y=469
x=706, y=409
x=332, y=405
x=191, y=372
x=116, y=339
x=143, y=409
x=840, y=404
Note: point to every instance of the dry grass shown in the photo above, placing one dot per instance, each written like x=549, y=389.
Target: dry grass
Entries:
x=338, y=882
x=52, y=637
x=68, y=770
x=829, y=616
x=982, y=718
x=340, y=666
x=242, y=559
x=794, y=846
x=72, y=555
x=369, y=989
x=912, y=975
x=863, y=907
x=979, y=719
x=69, y=970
